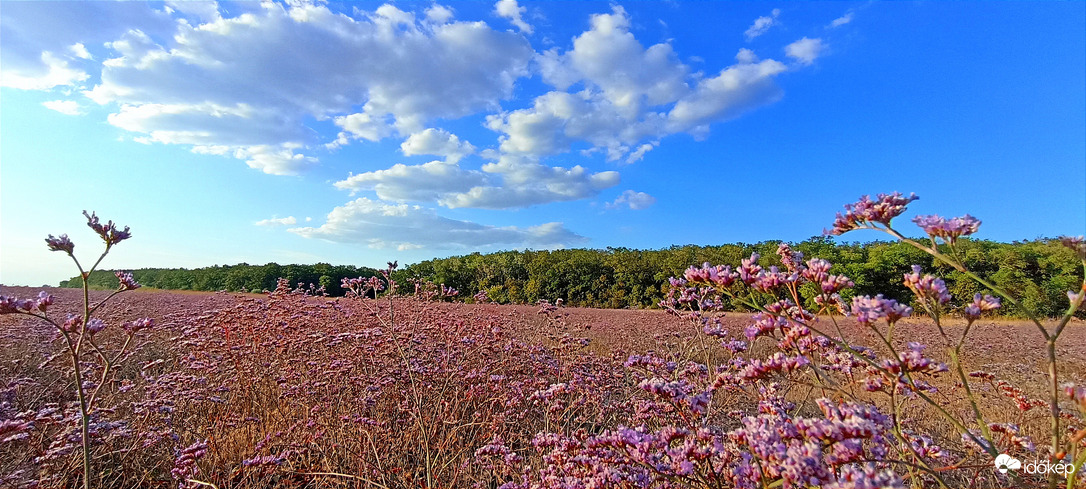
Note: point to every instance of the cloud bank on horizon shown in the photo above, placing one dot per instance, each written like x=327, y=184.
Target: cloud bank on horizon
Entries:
x=283, y=87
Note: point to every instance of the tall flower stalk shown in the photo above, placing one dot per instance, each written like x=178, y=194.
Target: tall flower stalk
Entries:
x=80, y=331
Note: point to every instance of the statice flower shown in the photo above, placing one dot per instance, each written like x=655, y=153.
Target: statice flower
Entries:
x=913, y=360
x=948, y=230
x=764, y=324
x=14, y=305
x=866, y=212
x=184, y=466
x=749, y=269
x=109, y=232
x=679, y=392
x=868, y=476
x=832, y=301
x=72, y=323
x=979, y=306
x=95, y=325
x=928, y=289
x=817, y=270
x=137, y=325
x=60, y=244
x=779, y=362
x=44, y=300
x=1076, y=244
x=1021, y=400
x=13, y=429
x=870, y=309
x=125, y=280
x=924, y=446
x=1077, y=394
x=266, y=460
x=719, y=276
x=792, y=260
x=770, y=280
x=1011, y=437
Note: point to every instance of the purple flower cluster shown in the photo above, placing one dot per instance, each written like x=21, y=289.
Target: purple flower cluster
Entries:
x=125, y=281
x=108, y=231
x=866, y=212
x=184, y=466
x=871, y=309
x=1076, y=244
x=14, y=305
x=948, y=230
x=930, y=290
x=980, y=305
x=60, y=244
x=719, y=276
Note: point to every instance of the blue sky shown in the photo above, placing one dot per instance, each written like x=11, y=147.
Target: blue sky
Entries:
x=358, y=133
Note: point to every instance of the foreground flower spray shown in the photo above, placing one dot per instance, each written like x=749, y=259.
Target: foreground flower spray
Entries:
x=81, y=332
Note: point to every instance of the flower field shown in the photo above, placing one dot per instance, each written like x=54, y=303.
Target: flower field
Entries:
x=391, y=390
x=295, y=391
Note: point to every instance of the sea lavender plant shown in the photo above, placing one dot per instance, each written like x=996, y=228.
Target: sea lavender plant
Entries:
x=81, y=332
x=931, y=293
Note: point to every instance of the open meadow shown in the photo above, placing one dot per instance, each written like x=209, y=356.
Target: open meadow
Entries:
x=289, y=390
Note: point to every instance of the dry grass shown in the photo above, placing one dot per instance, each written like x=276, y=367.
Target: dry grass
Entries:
x=338, y=397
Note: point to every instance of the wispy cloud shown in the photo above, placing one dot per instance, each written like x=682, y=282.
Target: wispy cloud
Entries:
x=402, y=226
x=633, y=200
x=280, y=221
x=842, y=20
x=69, y=107
x=762, y=24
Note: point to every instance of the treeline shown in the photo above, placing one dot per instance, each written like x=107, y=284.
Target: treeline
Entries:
x=234, y=278
x=1039, y=272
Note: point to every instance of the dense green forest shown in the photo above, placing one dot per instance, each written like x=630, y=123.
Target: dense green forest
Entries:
x=234, y=278
x=1040, y=272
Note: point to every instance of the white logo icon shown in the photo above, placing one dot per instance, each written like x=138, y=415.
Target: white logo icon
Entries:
x=1006, y=462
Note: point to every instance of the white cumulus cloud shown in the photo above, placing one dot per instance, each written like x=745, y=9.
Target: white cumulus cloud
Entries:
x=509, y=9
x=629, y=96
x=79, y=51
x=805, y=50
x=54, y=71
x=402, y=226
x=437, y=142
x=420, y=183
x=525, y=183
x=246, y=82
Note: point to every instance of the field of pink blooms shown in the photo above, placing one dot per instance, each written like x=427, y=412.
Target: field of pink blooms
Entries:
x=293, y=391
x=380, y=389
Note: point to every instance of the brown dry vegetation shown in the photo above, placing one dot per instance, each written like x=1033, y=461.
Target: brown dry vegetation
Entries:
x=318, y=381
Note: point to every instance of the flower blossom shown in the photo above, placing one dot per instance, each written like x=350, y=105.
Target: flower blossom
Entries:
x=867, y=211
x=60, y=244
x=125, y=281
x=949, y=230
x=929, y=289
x=870, y=309
x=979, y=306
x=108, y=231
